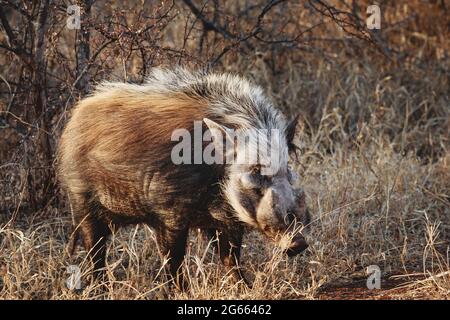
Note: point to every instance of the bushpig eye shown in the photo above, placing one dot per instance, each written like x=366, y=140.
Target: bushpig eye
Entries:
x=256, y=171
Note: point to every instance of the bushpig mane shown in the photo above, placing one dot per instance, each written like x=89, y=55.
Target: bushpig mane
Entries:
x=233, y=100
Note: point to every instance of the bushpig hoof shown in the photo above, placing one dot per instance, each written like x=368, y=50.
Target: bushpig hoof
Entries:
x=162, y=293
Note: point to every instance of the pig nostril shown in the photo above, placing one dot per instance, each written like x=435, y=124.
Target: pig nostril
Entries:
x=289, y=218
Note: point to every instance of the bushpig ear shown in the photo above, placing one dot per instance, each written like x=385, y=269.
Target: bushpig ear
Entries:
x=218, y=132
x=291, y=129
x=213, y=125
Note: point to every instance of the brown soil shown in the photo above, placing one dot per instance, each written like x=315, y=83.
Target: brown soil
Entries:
x=391, y=288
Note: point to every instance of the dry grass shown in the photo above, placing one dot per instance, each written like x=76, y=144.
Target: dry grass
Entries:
x=375, y=164
x=391, y=211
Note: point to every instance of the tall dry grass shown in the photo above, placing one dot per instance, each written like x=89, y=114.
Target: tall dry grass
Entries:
x=389, y=211
x=373, y=200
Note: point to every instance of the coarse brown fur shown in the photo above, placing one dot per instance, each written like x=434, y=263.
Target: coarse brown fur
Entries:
x=115, y=164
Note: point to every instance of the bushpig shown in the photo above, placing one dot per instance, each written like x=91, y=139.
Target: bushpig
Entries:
x=116, y=163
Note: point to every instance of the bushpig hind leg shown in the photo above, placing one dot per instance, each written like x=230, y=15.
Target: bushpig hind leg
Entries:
x=172, y=243
x=94, y=230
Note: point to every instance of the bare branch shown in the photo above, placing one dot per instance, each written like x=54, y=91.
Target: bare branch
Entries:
x=6, y=26
x=208, y=25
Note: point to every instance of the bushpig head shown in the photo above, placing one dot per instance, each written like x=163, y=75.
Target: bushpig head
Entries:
x=265, y=193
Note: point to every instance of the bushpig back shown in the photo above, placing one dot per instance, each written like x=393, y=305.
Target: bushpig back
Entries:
x=116, y=148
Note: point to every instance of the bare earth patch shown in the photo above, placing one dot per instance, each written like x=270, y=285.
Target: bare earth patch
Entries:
x=391, y=288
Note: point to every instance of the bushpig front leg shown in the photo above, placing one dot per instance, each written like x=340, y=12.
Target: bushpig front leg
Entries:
x=229, y=246
x=172, y=243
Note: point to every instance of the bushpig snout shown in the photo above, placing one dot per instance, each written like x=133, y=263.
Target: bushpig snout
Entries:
x=298, y=245
x=282, y=211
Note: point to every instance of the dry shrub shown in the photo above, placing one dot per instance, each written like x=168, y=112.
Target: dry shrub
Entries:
x=371, y=206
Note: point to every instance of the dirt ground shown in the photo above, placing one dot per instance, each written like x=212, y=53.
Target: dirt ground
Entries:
x=391, y=287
